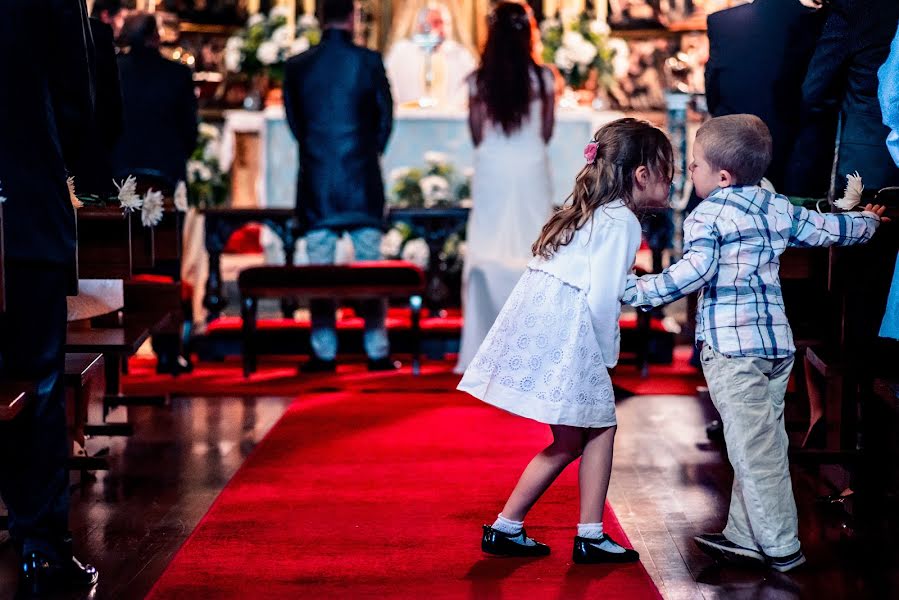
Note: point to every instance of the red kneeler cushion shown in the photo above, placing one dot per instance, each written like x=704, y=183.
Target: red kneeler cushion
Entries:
x=397, y=318
x=245, y=240
x=187, y=290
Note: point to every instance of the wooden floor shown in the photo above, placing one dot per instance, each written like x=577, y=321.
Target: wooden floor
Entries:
x=669, y=484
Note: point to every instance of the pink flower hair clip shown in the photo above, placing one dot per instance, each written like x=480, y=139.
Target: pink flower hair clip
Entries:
x=590, y=151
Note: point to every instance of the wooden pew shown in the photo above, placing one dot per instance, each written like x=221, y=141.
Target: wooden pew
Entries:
x=376, y=279
x=84, y=380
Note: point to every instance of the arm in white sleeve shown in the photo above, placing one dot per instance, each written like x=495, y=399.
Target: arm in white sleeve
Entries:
x=610, y=264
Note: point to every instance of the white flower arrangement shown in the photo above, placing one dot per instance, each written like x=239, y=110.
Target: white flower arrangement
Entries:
x=416, y=251
x=578, y=44
x=206, y=184
x=434, y=189
x=2, y=198
x=392, y=243
x=151, y=208
x=437, y=184
x=267, y=42
x=129, y=200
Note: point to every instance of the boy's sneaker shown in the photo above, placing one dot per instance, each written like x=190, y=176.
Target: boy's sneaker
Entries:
x=504, y=544
x=720, y=548
x=786, y=563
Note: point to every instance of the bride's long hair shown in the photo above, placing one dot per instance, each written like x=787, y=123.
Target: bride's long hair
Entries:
x=620, y=148
x=504, y=76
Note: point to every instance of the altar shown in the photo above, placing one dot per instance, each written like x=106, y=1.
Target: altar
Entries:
x=415, y=132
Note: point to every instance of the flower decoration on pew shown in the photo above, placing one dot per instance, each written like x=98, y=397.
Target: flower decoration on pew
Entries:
x=128, y=197
x=2, y=198
x=151, y=208
x=76, y=203
x=436, y=185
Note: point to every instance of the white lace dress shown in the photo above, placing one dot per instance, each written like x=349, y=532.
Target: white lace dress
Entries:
x=548, y=353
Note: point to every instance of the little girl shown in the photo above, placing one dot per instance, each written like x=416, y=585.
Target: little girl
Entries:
x=548, y=353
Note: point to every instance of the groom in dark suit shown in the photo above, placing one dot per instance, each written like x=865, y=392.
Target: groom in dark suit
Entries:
x=340, y=110
x=46, y=104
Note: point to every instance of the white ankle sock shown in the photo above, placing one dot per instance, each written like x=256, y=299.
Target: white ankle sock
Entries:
x=507, y=525
x=593, y=531
x=589, y=530
x=513, y=528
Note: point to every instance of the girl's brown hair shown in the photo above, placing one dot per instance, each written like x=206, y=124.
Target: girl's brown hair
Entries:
x=622, y=147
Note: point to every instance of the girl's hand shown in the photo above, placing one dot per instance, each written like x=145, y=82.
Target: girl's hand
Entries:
x=877, y=209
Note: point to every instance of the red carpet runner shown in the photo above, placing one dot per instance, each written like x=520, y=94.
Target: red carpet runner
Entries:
x=376, y=487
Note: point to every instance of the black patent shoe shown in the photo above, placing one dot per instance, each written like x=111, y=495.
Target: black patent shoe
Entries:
x=586, y=552
x=41, y=576
x=317, y=365
x=503, y=544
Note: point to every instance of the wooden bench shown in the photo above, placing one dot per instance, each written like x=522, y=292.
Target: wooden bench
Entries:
x=84, y=377
x=361, y=280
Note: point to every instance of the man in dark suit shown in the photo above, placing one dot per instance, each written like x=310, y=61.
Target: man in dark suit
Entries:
x=93, y=169
x=842, y=82
x=340, y=110
x=160, y=108
x=758, y=55
x=46, y=103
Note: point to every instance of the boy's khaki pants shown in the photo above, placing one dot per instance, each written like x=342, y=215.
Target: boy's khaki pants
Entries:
x=749, y=394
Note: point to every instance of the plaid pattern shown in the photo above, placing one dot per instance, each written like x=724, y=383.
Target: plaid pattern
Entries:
x=732, y=246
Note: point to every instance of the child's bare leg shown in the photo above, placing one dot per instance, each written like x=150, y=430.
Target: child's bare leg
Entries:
x=595, y=472
x=568, y=444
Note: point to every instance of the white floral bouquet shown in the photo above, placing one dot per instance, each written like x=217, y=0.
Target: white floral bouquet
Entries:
x=207, y=184
x=578, y=45
x=266, y=43
x=400, y=243
x=437, y=184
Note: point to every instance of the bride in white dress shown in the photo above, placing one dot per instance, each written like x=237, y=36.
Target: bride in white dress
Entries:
x=511, y=117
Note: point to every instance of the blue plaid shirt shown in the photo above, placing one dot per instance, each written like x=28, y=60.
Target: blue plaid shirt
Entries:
x=732, y=246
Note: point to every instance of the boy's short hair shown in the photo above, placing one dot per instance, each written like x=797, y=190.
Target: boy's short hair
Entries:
x=336, y=11
x=738, y=144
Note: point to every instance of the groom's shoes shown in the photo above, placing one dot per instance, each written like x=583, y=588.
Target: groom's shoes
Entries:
x=505, y=544
x=41, y=575
x=587, y=551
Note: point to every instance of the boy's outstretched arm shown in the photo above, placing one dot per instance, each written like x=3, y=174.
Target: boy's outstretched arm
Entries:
x=811, y=228
x=698, y=266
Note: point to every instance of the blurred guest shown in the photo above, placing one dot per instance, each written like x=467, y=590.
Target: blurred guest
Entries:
x=511, y=117
x=842, y=83
x=45, y=111
x=93, y=168
x=758, y=56
x=340, y=110
x=111, y=13
x=451, y=59
x=160, y=108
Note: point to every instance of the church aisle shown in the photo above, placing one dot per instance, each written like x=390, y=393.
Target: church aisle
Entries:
x=397, y=456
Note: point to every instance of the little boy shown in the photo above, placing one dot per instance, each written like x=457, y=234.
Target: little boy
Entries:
x=732, y=243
